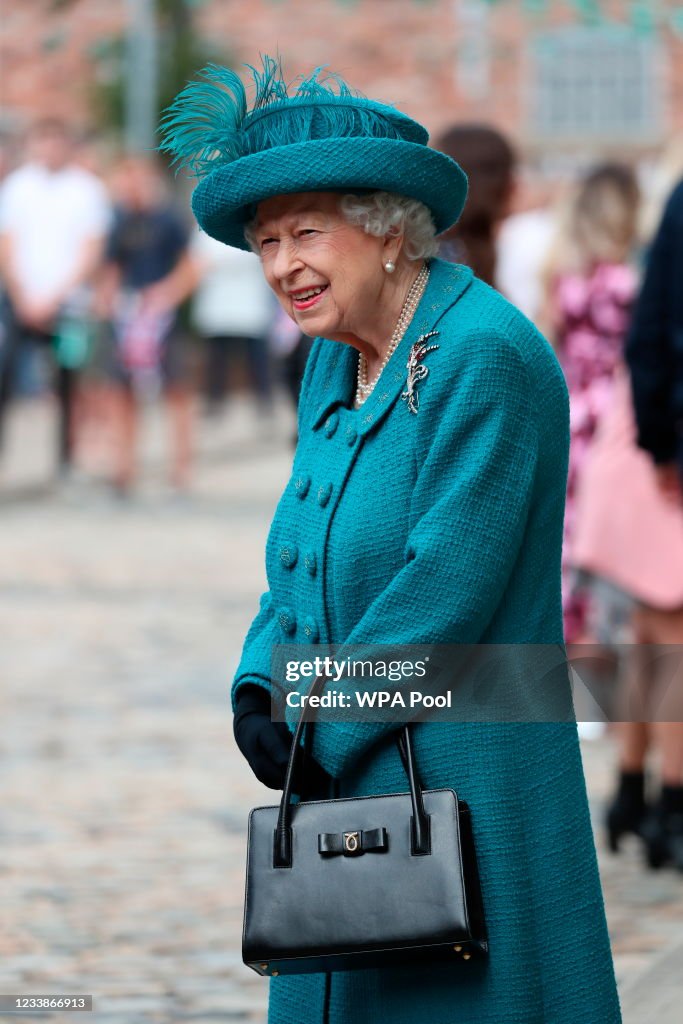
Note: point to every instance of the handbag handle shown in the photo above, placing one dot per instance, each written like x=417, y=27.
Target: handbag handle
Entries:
x=419, y=831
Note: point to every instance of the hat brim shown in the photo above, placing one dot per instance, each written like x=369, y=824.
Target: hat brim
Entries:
x=224, y=201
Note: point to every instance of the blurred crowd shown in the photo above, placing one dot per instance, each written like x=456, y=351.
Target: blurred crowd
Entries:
x=110, y=298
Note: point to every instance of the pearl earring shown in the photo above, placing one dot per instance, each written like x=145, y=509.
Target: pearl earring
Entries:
x=390, y=266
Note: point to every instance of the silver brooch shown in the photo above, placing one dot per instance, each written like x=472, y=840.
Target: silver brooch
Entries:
x=417, y=370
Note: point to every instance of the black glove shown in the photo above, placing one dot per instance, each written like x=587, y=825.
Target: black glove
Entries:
x=267, y=744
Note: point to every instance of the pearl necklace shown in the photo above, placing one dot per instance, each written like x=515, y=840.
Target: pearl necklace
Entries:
x=365, y=389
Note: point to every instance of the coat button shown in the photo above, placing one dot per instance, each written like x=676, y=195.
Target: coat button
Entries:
x=324, y=492
x=302, y=483
x=351, y=435
x=311, y=631
x=287, y=620
x=288, y=555
x=311, y=562
x=331, y=424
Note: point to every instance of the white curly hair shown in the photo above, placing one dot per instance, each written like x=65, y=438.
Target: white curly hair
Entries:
x=381, y=214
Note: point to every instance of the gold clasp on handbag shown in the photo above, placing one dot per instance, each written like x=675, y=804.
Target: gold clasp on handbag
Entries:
x=351, y=841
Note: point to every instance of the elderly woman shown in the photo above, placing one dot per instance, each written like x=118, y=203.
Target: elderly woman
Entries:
x=425, y=506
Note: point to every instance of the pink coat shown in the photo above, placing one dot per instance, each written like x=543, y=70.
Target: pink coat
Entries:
x=625, y=530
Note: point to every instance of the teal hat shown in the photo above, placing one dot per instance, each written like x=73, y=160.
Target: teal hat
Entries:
x=320, y=137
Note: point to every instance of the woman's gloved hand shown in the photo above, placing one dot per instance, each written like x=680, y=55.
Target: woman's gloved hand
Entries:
x=266, y=744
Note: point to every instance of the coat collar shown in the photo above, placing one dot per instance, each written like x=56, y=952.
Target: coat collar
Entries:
x=447, y=282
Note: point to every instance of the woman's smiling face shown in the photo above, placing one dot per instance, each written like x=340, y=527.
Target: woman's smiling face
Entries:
x=326, y=273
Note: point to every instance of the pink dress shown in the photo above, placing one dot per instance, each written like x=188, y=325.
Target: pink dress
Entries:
x=625, y=531
x=592, y=316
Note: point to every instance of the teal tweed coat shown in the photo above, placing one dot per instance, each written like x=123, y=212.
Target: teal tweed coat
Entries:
x=446, y=526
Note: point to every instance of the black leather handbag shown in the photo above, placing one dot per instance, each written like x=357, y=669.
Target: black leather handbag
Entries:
x=340, y=885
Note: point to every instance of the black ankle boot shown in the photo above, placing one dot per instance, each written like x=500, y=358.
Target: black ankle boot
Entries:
x=628, y=809
x=662, y=830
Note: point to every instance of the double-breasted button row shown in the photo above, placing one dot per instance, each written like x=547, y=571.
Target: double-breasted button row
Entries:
x=289, y=556
x=287, y=620
x=302, y=484
x=330, y=428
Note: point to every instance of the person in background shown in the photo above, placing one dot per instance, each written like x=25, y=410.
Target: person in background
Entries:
x=147, y=275
x=629, y=537
x=5, y=318
x=655, y=360
x=654, y=352
x=489, y=161
x=590, y=284
x=291, y=348
x=54, y=216
x=232, y=310
x=523, y=242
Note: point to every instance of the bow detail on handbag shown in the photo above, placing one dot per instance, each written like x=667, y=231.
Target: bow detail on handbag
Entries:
x=373, y=840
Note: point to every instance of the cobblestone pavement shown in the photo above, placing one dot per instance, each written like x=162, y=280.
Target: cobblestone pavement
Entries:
x=123, y=798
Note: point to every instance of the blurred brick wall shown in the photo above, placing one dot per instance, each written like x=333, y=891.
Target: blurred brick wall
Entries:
x=46, y=62
x=402, y=51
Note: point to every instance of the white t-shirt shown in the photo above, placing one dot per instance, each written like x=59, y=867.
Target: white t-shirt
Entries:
x=49, y=215
x=232, y=297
